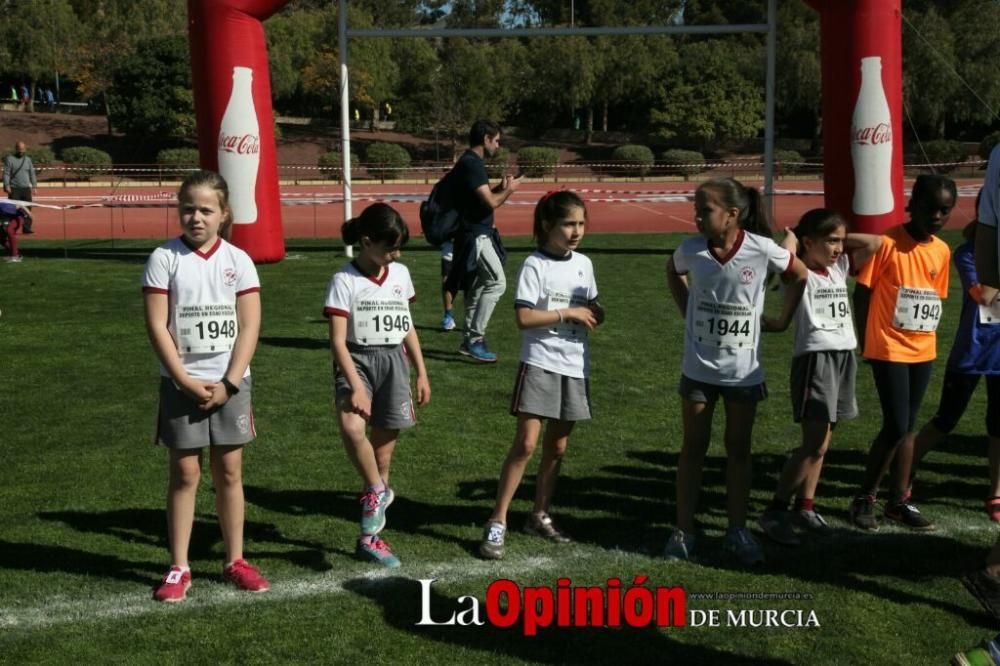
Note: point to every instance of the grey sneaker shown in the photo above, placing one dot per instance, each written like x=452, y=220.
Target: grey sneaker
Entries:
x=679, y=546
x=908, y=515
x=811, y=521
x=491, y=547
x=777, y=525
x=541, y=525
x=740, y=542
x=863, y=513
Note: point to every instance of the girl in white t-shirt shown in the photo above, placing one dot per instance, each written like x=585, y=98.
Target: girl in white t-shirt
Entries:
x=374, y=343
x=823, y=364
x=202, y=302
x=556, y=305
x=718, y=279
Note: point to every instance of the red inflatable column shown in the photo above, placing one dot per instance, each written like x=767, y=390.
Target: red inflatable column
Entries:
x=862, y=70
x=232, y=101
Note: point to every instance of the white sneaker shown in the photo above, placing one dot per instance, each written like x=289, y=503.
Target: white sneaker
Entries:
x=741, y=543
x=777, y=525
x=492, y=545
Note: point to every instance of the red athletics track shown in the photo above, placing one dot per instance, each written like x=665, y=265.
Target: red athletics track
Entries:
x=613, y=208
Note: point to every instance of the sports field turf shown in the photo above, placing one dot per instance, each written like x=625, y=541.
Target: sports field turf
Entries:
x=82, y=526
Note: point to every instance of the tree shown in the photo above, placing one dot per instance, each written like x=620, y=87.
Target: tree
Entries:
x=151, y=92
x=929, y=60
x=798, y=77
x=40, y=38
x=710, y=98
x=978, y=23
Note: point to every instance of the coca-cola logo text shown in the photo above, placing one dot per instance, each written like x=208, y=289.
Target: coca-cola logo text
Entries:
x=881, y=133
x=246, y=144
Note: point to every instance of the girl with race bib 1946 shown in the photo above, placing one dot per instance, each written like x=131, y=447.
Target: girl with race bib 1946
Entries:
x=374, y=343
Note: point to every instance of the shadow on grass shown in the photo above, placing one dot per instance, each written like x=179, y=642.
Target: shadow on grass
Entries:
x=149, y=527
x=406, y=515
x=400, y=599
x=127, y=255
x=35, y=557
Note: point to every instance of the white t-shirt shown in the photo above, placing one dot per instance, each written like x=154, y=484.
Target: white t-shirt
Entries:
x=725, y=303
x=546, y=282
x=201, y=288
x=823, y=319
x=377, y=310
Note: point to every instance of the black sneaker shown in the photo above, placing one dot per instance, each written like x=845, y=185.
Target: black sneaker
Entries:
x=908, y=515
x=863, y=513
x=986, y=589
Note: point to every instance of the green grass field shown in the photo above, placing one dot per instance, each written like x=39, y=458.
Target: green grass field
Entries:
x=82, y=523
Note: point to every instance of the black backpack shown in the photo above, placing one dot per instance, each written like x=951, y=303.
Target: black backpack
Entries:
x=439, y=219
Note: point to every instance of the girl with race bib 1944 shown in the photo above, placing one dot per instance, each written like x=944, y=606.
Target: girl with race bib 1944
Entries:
x=718, y=280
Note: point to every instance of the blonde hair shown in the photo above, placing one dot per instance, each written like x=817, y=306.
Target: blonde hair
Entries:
x=216, y=183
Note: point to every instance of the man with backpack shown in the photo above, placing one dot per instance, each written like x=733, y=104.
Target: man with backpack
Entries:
x=19, y=177
x=479, y=254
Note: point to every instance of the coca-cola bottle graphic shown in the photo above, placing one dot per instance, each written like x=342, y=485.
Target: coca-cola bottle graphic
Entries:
x=871, y=144
x=239, y=147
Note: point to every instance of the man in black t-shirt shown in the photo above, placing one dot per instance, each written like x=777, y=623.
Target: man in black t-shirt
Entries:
x=479, y=253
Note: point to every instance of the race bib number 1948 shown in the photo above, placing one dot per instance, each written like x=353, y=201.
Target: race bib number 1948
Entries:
x=206, y=329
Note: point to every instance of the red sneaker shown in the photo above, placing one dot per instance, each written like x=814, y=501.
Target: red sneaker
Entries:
x=174, y=586
x=246, y=577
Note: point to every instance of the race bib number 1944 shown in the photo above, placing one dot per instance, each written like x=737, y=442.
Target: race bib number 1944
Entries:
x=728, y=325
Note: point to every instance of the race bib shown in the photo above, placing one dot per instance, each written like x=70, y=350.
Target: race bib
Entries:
x=830, y=311
x=556, y=300
x=917, y=310
x=206, y=329
x=990, y=314
x=380, y=321
x=727, y=325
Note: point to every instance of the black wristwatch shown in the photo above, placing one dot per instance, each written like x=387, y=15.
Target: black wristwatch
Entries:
x=231, y=389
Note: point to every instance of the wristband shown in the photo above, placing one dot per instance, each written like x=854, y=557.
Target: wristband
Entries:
x=231, y=389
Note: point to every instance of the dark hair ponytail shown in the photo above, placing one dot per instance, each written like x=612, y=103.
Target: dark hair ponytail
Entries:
x=380, y=223
x=817, y=223
x=551, y=209
x=752, y=216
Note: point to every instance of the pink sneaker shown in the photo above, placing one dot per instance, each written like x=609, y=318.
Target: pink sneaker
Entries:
x=246, y=577
x=174, y=586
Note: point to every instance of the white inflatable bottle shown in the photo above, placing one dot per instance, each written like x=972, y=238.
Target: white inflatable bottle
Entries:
x=871, y=144
x=239, y=147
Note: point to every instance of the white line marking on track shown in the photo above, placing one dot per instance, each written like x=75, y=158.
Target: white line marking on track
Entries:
x=648, y=210
x=680, y=219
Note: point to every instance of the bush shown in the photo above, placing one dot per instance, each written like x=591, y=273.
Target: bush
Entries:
x=688, y=162
x=985, y=147
x=41, y=156
x=787, y=161
x=91, y=161
x=331, y=164
x=638, y=159
x=944, y=151
x=496, y=166
x=178, y=158
x=387, y=160
x=537, y=161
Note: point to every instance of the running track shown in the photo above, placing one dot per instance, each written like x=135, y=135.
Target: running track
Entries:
x=315, y=211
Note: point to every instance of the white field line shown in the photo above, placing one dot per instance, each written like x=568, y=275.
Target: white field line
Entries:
x=62, y=609
x=648, y=210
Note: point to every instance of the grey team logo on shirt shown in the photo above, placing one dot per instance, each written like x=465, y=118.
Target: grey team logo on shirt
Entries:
x=746, y=275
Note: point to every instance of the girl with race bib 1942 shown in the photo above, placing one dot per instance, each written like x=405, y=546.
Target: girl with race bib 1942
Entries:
x=374, y=343
x=897, y=304
x=718, y=280
x=202, y=302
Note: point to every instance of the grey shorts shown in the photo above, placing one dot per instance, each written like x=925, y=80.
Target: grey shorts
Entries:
x=385, y=372
x=550, y=395
x=695, y=391
x=181, y=425
x=822, y=385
